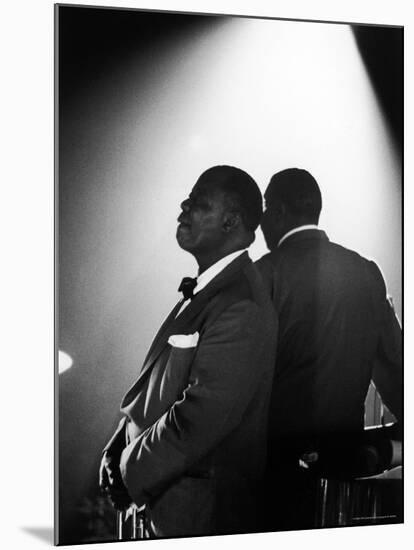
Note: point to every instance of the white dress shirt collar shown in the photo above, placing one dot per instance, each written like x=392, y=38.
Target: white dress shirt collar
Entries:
x=209, y=274
x=296, y=230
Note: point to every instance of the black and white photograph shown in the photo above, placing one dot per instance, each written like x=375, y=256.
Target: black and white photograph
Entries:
x=229, y=264
x=205, y=264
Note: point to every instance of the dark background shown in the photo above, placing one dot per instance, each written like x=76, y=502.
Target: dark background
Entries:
x=113, y=287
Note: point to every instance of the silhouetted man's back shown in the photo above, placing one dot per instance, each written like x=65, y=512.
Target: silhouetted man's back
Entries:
x=337, y=331
x=335, y=328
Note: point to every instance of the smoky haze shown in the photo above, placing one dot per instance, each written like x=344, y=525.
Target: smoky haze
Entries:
x=147, y=103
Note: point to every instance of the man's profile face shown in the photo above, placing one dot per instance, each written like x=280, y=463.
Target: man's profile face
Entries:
x=201, y=221
x=272, y=222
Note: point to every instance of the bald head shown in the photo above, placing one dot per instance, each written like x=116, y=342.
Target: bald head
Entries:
x=220, y=215
x=298, y=190
x=241, y=191
x=293, y=198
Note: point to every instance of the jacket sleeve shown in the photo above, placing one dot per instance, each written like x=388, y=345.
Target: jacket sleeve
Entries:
x=117, y=442
x=387, y=368
x=227, y=367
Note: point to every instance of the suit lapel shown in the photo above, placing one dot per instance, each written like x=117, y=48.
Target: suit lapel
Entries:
x=179, y=325
x=134, y=388
x=160, y=337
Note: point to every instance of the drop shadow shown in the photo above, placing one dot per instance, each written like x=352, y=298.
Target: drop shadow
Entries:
x=43, y=533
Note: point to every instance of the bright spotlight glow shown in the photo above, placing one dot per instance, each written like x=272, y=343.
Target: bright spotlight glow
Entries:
x=65, y=361
x=267, y=95
x=259, y=94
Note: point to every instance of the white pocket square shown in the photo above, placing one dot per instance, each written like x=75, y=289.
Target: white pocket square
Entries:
x=183, y=340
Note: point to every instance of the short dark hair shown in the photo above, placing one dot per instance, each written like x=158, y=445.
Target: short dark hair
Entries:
x=298, y=190
x=242, y=191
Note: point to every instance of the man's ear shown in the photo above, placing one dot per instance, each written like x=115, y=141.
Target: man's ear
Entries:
x=231, y=221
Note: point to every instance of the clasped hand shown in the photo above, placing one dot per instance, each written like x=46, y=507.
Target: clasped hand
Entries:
x=110, y=482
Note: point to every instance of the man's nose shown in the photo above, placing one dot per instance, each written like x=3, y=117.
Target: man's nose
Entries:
x=185, y=205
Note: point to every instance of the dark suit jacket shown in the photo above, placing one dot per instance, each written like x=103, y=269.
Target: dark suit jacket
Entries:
x=336, y=332
x=196, y=417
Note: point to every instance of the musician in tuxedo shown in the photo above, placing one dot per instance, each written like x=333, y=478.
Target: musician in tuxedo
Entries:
x=337, y=332
x=191, y=445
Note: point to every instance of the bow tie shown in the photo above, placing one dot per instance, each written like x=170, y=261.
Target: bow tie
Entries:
x=187, y=286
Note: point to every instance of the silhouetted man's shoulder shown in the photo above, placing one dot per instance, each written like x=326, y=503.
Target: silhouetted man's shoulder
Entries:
x=245, y=287
x=350, y=255
x=317, y=252
x=355, y=266
x=303, y=267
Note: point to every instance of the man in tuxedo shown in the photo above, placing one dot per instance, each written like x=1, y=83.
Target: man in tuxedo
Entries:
x=191, y=444
x=337, y=332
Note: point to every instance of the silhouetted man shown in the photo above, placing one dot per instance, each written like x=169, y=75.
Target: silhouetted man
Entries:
x=191, y=444
x=337, y=331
